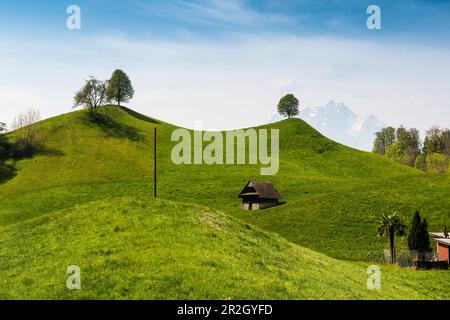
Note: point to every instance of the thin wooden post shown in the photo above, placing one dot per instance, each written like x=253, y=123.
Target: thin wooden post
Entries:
x=154, y=166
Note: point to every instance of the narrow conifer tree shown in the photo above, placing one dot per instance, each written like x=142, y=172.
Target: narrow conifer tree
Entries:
x=418, y=237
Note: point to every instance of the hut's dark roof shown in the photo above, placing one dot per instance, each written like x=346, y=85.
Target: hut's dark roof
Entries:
x=264, y=189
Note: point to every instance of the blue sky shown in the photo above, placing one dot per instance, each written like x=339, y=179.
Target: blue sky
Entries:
x=243, y=55
x=416, y=20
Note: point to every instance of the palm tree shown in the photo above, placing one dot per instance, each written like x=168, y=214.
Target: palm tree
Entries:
x=391, y=225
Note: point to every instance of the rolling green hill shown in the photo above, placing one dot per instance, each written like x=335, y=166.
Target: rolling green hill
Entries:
x=334, y=194
x=130, y=248
x=333, y=197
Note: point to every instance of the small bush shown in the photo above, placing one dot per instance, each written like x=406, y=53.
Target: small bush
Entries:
x=421, y=162
x=23, y=147
x=437, y=162
x=26, y=136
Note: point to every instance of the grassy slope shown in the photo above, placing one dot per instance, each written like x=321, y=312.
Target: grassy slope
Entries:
x=150, y=249
x=334, y=194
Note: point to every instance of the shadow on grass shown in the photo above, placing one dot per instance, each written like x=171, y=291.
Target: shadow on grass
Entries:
x=48, y=151
x=39, y=148
x=7, y=172
x=115, y=129
x=139, y=116
x=280, y=203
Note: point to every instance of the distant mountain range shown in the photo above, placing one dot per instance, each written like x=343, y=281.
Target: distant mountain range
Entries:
x=336, y=121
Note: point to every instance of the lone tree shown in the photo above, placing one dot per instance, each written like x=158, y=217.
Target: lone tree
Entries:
x=288, y=106
x=418, y=238
x=27, y=127
x=391, y=226
x=119, y=87
x=91, y=96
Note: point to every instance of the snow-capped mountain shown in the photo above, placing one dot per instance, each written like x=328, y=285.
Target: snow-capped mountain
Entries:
x=336, y=121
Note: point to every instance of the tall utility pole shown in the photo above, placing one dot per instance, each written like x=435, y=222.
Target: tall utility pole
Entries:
x=154, y=166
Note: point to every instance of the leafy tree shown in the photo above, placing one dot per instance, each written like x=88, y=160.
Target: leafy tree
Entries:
x=421, y=162
x=409, y=156
x=437, y=162
x=383, y=139
x=402, y=137
x=407, y=139
x=437, y=141
x=6, y=169
x=4, y=145
x=119, y=87
x=288, y=106
x=414, y=139
x=391, y=226
x=379, y=146
x=404, y=148
x=91, y=96
x=445, y=139
x=433, y=141
x=394, y=152
x=418, y=237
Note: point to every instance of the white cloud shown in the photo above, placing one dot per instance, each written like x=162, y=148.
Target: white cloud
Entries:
x=213, y=13
x=21, y=98
x=236, y=83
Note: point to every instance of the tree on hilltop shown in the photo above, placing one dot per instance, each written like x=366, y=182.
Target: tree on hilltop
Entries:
x=288, y=106
x=119, y=87
x=91, y=96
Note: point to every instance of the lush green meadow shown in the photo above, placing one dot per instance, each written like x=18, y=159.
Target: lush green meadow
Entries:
x=130, y=248
x=63, y=206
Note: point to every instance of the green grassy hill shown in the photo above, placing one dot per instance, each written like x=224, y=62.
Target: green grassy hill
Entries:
x=130, y=248
x=334, y=194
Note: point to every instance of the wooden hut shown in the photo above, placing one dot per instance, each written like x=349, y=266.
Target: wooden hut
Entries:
x=258, y=195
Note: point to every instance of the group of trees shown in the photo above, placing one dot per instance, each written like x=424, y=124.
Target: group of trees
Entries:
x=25, y=140
x=405, y=146
x=436, y=151
x=23, y=143
x=96, y=93
x=401, y=144
x=418, y=238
